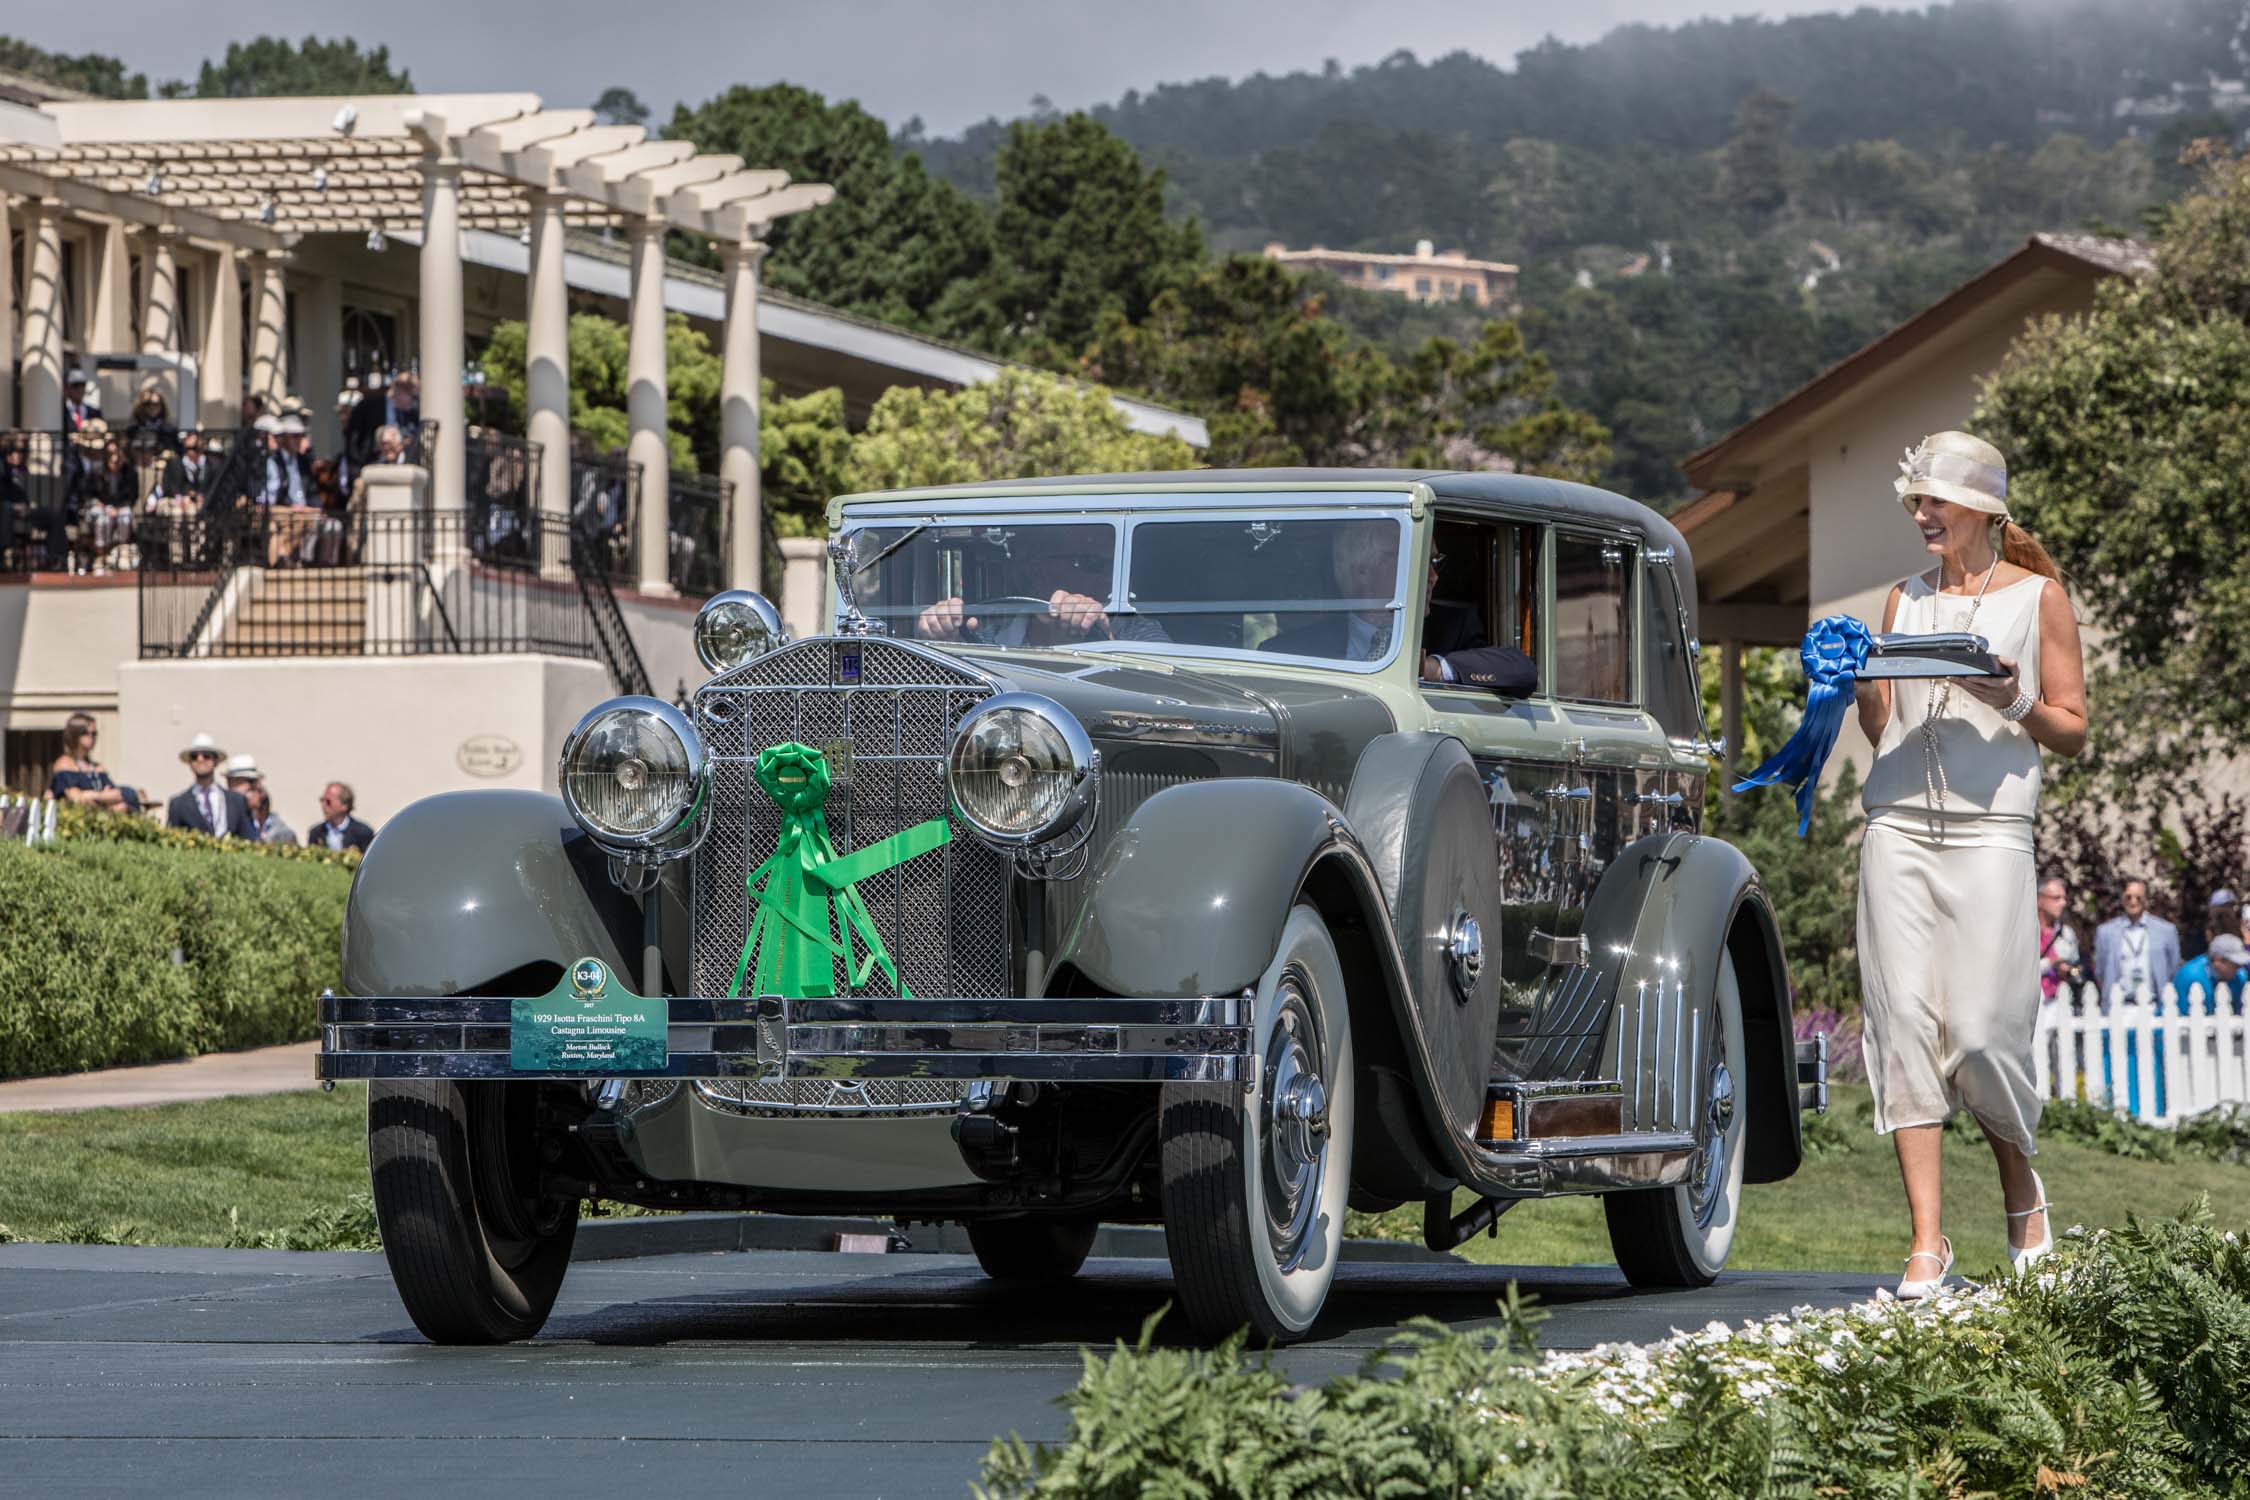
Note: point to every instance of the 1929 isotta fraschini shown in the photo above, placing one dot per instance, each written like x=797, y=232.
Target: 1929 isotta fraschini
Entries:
x=1213, y=850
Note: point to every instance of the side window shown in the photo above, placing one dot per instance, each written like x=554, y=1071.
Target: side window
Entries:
x=1487, y=587
x=1593, y=620
x=1671, y=682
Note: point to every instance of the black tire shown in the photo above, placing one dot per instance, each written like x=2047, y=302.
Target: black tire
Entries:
x=1223, y=1153
x=1045, y=1249
x=475, y=1259
x=1680, y=1236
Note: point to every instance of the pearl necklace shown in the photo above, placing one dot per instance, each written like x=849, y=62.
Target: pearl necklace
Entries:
x=1933, y=769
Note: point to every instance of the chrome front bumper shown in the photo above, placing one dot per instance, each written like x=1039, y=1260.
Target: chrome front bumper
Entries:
x=771, y=1037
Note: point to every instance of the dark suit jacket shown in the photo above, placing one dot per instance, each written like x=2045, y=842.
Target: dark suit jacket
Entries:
x=1449, y=630
x=368, y=418
x=357, y=835
x=178, y=484
x=186, y=811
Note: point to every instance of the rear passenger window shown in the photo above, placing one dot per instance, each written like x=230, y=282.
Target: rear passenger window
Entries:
x=1593, y=619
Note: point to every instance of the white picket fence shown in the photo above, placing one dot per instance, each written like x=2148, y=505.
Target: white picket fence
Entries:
x=2117, y=1056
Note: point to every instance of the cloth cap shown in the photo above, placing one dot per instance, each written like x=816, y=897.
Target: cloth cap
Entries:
x=1956, y=468
x=2222, y=897
x=2229, y=947
x=203, y=744
x=240, y=766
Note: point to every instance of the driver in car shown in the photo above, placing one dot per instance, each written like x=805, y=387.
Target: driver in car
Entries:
x=1454, y=648
x=1053, y=569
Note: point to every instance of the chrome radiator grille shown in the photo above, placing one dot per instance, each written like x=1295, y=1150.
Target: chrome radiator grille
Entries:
x=883, y=713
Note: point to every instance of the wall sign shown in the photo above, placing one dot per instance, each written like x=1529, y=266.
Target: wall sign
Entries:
x=488, y=755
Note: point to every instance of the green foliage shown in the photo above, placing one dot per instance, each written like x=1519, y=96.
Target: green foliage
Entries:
x=619, y=106
x=349, y=1225
x=76, y=822
x=2126, y=450
x=2221, y=1134
x=599, y=383
x=271, y=65
x=1023, y=423
x=804, y=449
x=2123, y=1369
x=89, y=73
x=127, y=952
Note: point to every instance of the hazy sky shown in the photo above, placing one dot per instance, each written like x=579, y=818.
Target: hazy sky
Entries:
x=953, y=62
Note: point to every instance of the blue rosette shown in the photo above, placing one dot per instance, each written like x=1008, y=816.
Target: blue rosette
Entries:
x=1833, y=652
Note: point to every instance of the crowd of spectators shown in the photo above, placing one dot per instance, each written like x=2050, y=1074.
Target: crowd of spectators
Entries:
x=225, y=798
x=2138, y=952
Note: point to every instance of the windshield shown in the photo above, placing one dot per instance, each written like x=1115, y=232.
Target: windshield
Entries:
x=1324, y=586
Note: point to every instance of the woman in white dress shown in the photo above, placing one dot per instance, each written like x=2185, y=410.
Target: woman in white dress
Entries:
x=1947, y=903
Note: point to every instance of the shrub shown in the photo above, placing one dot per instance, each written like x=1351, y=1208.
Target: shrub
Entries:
x=124, y=952
x=2123, y=1368
x=77, y=823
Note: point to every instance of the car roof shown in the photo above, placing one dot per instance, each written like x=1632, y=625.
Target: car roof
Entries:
x=1554, y=497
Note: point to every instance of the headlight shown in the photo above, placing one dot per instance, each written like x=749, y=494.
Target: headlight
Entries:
x=1022, y=772
x=737, y=626
x=634, y=776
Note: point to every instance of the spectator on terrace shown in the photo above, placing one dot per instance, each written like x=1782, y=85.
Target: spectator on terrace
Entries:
x=22, y=511
x=337, y=828
x=2136, y=952
x=186, y=481
x=108, y=488
x=243, y=776
x=2059, y=958
x=77, y=777
x=150, y=427
x=254, y=412
x=399, y=407
x=289, y=495
x=2218, y=972
x=206, y=806
x=335, y=512
x=78, y=408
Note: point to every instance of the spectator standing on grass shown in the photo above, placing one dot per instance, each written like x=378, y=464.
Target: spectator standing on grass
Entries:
x=242, y=775
x=2137, y=951
x=2223, y=917
x=2218, y=972
x=77, y=777
x=2059, y=955
x=337, y=828
x=206, y=806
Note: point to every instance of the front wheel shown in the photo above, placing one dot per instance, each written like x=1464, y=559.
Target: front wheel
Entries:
x=1680, y=1236
x=476, y=1255
x=1254, y=1184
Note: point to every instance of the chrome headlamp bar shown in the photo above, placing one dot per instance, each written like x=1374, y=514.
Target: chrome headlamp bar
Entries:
x=634, y=776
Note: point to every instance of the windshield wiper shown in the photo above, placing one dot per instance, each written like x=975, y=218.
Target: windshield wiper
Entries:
x=908, y=535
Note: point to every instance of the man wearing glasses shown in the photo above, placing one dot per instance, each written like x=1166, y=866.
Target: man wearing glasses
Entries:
x=206, y=806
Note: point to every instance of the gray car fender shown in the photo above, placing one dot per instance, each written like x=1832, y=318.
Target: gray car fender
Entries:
x=466, y=888
x=1665, y=909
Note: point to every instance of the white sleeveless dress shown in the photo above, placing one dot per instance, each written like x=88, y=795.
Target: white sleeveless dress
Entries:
x=1948, y=909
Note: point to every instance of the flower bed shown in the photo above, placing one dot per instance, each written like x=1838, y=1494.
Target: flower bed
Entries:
x=2122, y=1368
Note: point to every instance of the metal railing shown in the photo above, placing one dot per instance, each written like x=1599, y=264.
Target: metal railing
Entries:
x=702, y=506
x=605, y=493
x=70, y=501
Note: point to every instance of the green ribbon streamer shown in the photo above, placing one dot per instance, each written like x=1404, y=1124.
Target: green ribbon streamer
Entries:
x=806, y=901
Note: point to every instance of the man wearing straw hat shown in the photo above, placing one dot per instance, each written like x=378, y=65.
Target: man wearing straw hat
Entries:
x=206, y=806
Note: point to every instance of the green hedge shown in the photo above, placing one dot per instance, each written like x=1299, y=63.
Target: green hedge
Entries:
x=132, y=952
x=2122, y=1368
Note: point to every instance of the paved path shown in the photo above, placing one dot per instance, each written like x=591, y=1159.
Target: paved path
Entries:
x=262, y=1070
x=128, y=1371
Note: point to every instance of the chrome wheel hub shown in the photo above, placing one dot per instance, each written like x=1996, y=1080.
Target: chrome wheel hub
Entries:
x=1718, y=1122
x=1292, y=1124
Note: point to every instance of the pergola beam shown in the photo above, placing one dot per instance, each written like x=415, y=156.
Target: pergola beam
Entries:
x=143, y=211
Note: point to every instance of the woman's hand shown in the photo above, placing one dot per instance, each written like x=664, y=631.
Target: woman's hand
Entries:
x=1995, y=692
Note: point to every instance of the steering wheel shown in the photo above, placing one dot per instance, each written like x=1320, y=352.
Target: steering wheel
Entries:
x=1002, y=607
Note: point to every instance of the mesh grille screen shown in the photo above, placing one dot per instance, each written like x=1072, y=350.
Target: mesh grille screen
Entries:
x=883, y=714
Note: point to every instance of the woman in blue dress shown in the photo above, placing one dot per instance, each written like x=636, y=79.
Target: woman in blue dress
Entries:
x=78, y=777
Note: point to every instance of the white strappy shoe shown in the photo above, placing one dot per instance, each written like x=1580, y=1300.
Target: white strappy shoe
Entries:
x=1914, y=1289
x=2020, y=1261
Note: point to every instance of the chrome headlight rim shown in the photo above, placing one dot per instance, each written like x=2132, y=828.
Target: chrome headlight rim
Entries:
x=1075, y=817
x=680, y=834
x=767, y=616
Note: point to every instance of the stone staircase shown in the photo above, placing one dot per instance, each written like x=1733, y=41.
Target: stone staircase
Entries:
x=300, y=612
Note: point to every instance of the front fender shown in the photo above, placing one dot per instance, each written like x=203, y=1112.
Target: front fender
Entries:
x=1666, y=909
x=464, y=888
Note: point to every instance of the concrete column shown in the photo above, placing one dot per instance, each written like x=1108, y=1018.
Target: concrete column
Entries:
x=219, y=377
x=319, y=369
x=1730, y=711
x=42, y=389
x=443, y=357
x=646, y=407
x=547, y=356
x=109, y=324
x=160, y=308
x=738, y=416
x=394, y=621
x=7, y=317
x=269, y=328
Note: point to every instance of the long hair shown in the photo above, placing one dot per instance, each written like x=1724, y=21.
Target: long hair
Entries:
x=2022, y=548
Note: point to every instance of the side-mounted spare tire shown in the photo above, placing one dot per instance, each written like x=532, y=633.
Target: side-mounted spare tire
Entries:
x=476, y=1254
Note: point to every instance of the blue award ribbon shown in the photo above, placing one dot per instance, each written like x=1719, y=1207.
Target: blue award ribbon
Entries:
x=1833, y=652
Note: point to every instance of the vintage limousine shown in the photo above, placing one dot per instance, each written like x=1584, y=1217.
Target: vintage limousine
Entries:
x=1213, y=850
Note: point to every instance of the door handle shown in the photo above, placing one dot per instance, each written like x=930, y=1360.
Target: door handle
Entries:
x=1570, y=793
x=1660, y=799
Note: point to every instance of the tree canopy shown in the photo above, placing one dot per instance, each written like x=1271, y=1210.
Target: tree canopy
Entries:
x=89, y=73
x=1024, y=423
x=2126, y=454
x=272, y=65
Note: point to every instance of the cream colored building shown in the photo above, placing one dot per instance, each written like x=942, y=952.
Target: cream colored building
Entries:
x=1799, y=519
x=1424, y=276
x=278, y=246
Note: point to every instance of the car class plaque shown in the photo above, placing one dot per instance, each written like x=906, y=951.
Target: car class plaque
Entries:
x=588, y=1023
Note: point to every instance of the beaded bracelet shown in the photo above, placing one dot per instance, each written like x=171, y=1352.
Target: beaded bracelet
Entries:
x=2021, y=709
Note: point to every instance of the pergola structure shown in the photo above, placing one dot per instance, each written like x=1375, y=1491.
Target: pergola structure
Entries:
x=248, y=178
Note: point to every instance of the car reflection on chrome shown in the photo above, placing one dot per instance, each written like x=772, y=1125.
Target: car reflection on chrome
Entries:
x=1219, y=851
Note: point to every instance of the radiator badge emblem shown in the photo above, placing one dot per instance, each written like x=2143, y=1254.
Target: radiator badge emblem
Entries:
x=806, y=906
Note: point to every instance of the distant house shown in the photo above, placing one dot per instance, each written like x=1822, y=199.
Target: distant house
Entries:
x=1424, y=276
x=1798, y=518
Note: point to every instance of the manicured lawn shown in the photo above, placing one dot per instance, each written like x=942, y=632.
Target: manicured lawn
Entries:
x=173, y=1173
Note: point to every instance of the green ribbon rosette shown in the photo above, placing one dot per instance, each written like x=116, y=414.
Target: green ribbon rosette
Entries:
x=806, y=905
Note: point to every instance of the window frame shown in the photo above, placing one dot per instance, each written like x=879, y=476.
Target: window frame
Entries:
x=1635, y=546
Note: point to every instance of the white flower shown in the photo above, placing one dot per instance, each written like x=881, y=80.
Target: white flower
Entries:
x=1829, y=1359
